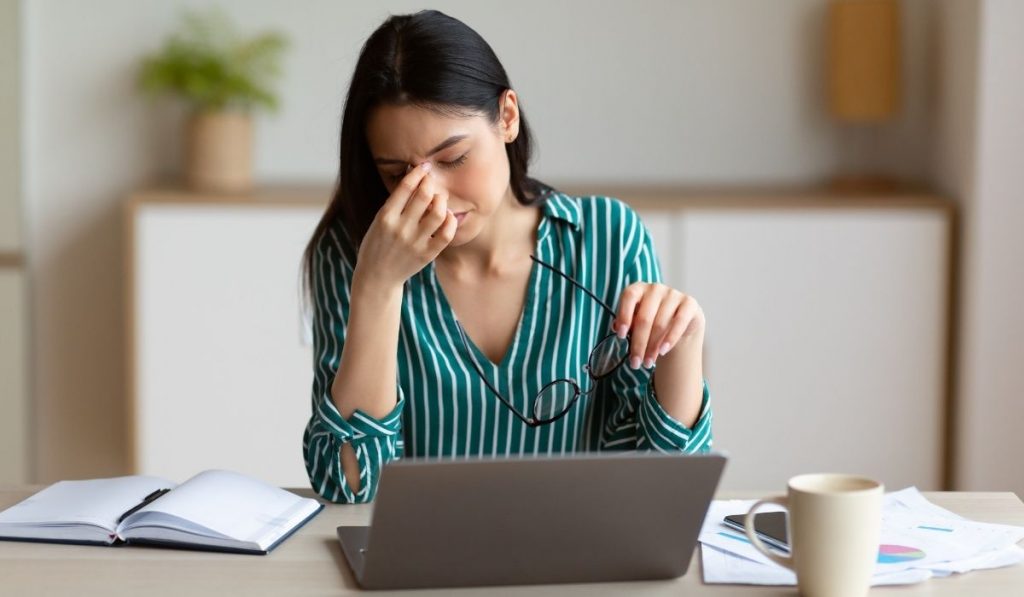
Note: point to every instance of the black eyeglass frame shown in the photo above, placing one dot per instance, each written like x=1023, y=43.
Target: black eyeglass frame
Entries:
x=536, y=421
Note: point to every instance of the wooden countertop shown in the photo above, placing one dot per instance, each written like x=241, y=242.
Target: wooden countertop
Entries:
x=639, y=197
x=311, y=563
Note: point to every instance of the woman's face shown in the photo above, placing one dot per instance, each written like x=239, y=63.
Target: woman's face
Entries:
x=467, y=156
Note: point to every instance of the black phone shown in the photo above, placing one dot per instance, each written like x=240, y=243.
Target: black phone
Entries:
x=769, y=526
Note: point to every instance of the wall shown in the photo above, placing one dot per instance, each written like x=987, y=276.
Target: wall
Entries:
x=662, y=92
x=15, y=421
x=10, y=129
x=981, y=136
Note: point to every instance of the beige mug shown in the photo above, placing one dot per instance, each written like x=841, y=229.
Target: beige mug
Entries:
x=833, y=526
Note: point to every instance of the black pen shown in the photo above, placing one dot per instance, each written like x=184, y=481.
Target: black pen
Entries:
x=148, y=499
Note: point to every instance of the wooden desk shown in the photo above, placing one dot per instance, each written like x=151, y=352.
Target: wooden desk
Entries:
x=311, y=563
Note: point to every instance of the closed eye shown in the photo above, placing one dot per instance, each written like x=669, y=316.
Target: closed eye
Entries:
x=456, y=162
x=449, y=165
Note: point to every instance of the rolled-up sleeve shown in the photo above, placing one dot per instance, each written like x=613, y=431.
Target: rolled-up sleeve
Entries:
x=375, y=441
x=638, y=418
x=661, y=431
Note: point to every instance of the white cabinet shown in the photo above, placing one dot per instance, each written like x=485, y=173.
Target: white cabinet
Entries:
x=222, y=373
x=826, y=342
x=14, y=413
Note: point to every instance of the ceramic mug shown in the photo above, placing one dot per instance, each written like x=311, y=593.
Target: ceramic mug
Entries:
x=833, y=527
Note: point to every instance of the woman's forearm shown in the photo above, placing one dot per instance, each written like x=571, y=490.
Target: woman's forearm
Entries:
x=679, y=382
x=367, y=371
x=369, y=360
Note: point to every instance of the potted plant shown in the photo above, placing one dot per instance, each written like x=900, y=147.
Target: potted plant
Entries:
x=224, y=78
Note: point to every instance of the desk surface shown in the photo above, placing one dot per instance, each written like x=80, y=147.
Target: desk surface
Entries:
x=311, y=563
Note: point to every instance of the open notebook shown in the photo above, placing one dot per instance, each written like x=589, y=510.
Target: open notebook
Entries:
x=214, y=510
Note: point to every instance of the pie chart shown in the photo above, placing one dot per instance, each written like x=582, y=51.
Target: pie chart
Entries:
x=894, y=554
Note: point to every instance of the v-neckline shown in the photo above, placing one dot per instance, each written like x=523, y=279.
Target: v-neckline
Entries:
x=525, y=314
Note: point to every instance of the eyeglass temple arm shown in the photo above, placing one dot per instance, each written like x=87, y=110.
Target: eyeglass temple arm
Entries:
x=577, y=285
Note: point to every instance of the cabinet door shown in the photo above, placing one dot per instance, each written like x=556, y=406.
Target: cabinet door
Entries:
x=14, y=419
x=825, y=341
x=223, y=371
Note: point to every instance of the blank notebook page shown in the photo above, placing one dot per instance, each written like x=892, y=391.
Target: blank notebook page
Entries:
x=94, y=501
x=234, y=505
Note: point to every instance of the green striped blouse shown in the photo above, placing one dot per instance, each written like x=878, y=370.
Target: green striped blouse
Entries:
x=445, y=410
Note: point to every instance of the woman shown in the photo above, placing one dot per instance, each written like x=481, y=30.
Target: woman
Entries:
x=464, y=309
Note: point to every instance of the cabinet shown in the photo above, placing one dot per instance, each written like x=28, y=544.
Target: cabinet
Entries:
x=220, y=373
x=827, y=340
x=14, y=407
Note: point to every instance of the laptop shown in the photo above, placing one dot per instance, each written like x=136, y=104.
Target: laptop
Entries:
x=589, y=517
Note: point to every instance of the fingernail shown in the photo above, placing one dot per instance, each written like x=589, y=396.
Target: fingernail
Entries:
x=622, y=332
x=634, y=363
x=648, y=363
x=664, y=348
x=425, y=166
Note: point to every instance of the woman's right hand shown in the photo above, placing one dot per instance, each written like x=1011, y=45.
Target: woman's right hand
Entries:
x=412, y=227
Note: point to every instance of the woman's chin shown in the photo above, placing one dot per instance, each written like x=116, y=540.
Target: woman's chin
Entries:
x=459, y=239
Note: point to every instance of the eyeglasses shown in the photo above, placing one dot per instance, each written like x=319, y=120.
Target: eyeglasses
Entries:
x=556, y=398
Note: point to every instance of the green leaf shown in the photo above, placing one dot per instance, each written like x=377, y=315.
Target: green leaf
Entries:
x=211, y=66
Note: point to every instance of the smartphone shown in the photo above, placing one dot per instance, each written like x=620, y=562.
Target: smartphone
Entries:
x=769, y=526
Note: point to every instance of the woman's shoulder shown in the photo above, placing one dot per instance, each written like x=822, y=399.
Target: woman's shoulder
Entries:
x=334, y=247
x=608, y=216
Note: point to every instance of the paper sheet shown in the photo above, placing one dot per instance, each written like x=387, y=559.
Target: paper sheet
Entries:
x=918, y=540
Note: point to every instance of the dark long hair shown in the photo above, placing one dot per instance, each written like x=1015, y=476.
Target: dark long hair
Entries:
x=433, y=61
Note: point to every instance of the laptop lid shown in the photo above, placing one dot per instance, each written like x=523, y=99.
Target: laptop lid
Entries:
x=587, y=517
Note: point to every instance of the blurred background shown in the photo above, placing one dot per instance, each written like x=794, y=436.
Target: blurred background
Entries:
x=838, y=185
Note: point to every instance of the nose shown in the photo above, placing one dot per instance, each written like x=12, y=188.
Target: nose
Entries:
x=435, y=178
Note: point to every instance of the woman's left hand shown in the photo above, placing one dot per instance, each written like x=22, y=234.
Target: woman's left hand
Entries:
x=657, y=317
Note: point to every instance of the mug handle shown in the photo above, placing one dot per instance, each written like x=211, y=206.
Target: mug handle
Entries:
x=748, y=525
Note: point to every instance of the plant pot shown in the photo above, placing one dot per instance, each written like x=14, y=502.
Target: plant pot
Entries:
x=218, y=151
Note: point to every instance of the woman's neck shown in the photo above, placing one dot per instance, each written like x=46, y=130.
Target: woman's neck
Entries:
x=508, y=238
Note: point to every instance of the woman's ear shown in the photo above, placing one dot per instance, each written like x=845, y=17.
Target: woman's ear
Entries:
x=509, y=116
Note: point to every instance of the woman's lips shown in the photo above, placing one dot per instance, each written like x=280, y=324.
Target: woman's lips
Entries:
x=460, y=216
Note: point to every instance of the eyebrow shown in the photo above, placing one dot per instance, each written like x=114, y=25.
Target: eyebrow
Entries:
x=443, y=145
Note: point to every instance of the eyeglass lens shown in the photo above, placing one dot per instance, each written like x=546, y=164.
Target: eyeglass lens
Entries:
x=558, y=396
x=607, y=355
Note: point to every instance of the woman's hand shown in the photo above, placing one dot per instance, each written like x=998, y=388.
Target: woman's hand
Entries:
x=657, y=317
x=412, y=227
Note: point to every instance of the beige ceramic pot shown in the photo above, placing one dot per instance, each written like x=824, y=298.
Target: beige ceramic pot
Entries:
x=218, y=151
